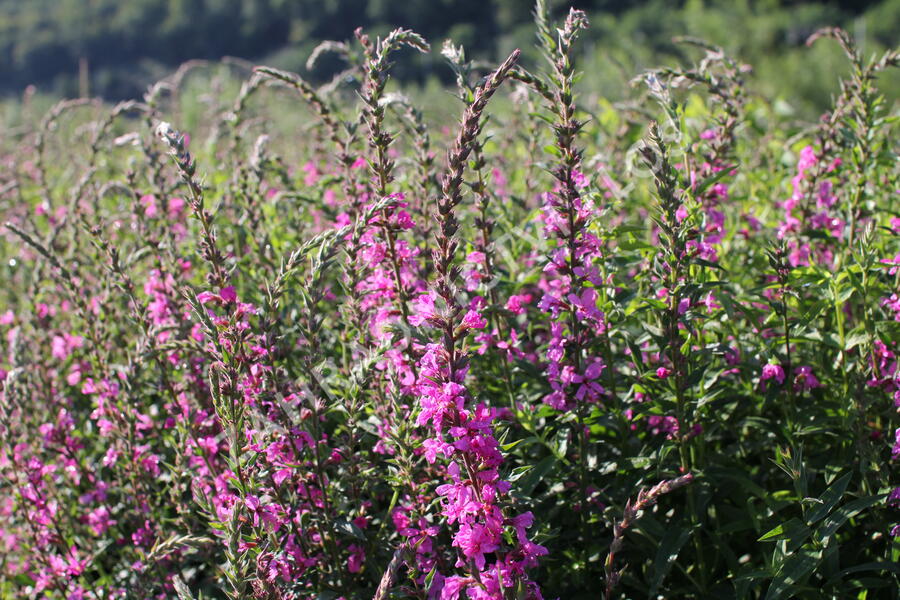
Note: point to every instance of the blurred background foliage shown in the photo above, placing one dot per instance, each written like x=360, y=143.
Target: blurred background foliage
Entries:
x=115, y=48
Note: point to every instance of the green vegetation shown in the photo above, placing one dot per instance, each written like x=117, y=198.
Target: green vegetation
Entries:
x=571, y=325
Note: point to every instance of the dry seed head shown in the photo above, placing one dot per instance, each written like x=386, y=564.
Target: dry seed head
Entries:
x=164, y=130
x=576, y=20
x=455, y=54
x=339, y=48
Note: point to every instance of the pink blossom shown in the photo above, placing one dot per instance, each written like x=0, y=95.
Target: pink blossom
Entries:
x=770, y=371
x=473, y=320
x=99, y=520
x=805, y=380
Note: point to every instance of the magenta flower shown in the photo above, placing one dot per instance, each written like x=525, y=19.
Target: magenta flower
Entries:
x=771, y=371
x=895, y=450
x=893, y=263
x=474, y=540
x=805, y=380
x=99, y=520
x=516, y=303
x=473, y=320
x=228, y=294
x=356, y=559
x=143, y=536
x=893, y=498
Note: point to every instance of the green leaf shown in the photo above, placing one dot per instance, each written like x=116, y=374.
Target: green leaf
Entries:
x=653, y=330
x=530, y=481
x=740, y=479
x=870, y=566
x=669, y=547
x=430, y=577
x=843, y=514
x=829, y=499
x=512, y=444
x=708, y=264
x=709, y=181
x=184, y=593
x=629, y=229
x=793, y=529
x=517, y=473
x=855, y=340
x=844, y=294
x=635, y=245
x=796, y=568
x=22, y=579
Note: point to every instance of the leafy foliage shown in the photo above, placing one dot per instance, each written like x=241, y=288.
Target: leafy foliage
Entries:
x=284, y=341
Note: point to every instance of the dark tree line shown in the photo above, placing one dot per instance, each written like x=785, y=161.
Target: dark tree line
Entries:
x=124, y=44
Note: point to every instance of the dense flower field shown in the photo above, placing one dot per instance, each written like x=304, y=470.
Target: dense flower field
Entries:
x=306, y=343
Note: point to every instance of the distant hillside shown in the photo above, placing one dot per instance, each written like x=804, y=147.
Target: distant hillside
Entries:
x=114, y=48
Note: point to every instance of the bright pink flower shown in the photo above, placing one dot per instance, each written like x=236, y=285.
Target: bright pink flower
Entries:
x=356, y=558
x=770, y=371
x=805, y=380
x=99, y=520
x=473, y=320
x=228, y=294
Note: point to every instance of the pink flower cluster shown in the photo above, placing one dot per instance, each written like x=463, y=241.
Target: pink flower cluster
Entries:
x=472, y=499
x=713, y=229
x=811, y=207
x=572, y=371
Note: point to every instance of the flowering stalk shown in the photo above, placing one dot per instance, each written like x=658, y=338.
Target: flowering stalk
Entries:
x=570, y=295
x=331, y=121
x=859, y=107
x=102, y=128
x=235, y=117
x=187, y=168
x=675, y=260
x=48, y=123
x=472, y=497
x=672, y=267
x=645, y=499
x=778, y=261
x=69, y=282
x=425, y=181
x=381, y=166
x=483, y=258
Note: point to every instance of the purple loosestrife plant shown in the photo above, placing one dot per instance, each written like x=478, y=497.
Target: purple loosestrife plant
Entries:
x=471, y=500
x=360, y=354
